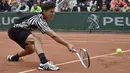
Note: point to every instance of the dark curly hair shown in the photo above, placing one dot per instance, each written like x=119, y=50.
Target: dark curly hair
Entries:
x=47, y=5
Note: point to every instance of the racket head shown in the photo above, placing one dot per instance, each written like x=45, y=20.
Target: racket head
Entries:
x=84, y=57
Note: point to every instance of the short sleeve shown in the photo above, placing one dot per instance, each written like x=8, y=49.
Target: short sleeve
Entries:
x=42, y=25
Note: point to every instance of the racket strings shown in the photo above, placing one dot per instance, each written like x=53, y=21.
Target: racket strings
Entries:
x=84, y=57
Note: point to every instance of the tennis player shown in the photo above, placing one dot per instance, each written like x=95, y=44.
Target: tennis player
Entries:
x=22, y=35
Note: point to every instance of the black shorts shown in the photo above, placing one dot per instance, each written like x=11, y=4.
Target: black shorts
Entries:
x=19, y=35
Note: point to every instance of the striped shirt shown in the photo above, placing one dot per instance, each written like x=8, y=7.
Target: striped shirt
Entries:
x=32, y=22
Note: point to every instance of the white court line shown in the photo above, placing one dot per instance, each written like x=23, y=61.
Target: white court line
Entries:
x=69, y=62
x=102, y=41
x=113, y=57
x=116, y=57
x=87, y=41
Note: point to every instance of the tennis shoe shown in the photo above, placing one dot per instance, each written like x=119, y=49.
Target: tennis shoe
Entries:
x=48, y=66
x=9, y=58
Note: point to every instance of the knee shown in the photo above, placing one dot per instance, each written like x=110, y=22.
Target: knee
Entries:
x=30, y=52
x=29, y=49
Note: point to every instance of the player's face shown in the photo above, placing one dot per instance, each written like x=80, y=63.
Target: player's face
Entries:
x=49, y=14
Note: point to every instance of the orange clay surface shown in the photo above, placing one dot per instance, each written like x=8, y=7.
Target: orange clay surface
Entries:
x=101, y=48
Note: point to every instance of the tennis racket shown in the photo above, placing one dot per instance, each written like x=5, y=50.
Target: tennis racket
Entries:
x=83, y=57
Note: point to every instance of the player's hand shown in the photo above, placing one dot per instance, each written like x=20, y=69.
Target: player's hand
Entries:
x=70, y=48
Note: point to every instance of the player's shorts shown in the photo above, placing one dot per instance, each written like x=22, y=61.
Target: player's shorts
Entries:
x=19, y=35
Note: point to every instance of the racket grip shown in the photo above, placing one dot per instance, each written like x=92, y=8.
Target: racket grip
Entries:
x=73, y=50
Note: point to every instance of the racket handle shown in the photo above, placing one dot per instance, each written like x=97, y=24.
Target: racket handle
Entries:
x=73, y=50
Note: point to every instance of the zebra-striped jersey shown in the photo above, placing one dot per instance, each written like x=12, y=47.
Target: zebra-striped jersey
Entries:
x=32, y=21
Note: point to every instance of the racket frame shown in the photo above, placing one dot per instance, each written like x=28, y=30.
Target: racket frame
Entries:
x=80, y=58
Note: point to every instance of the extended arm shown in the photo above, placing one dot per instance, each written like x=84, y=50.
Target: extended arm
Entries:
x=58, y=39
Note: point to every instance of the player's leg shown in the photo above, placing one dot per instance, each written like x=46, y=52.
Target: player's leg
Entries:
x=23, y=38
x=45, y=64
x=36, y=41
x=20, y=35
x=27, y=51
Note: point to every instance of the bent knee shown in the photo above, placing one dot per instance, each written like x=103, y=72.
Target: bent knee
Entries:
x=30, y=52
x=29, y=49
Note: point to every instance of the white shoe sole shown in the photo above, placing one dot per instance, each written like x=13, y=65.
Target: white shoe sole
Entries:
x=39, y=68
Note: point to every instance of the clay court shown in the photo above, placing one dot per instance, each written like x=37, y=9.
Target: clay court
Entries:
x=101, y=48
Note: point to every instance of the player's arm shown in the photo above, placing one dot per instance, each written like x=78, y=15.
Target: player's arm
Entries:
x=42, y=25
x=58, y=39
